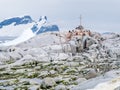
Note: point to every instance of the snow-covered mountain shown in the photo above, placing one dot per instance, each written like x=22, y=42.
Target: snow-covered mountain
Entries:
x=45, y=27
x=24, y=28
x=16, y=21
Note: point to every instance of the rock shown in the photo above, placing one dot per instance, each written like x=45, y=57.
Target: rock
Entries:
x=19, y=70
x=35, y=81
x=80, y=80
x=91, y=74
x=37, y=68
x=14, y=55
x=61, y=87
x=72, y=64
x=58, y=69
x=48, y=83
x=93, y=46
x=115, y=65
x=16, y=50
x=58, y=79
x=52, y=72
x=21, y=87
x=43, y=74
x=118, y=88
x=25, y=83
x=4, y=57
x=71, y=71
x=60, y=56
x=90, y=42
x=1, y=63
x=33, y=75
x=27, y=59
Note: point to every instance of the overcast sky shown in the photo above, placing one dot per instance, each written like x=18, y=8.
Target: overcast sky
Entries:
x=97, y=15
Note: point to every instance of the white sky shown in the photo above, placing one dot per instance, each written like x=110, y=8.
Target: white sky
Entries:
x=98, y=15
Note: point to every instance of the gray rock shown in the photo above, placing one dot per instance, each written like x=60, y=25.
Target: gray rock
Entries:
x=72, y=64
x=58, y=79
x=14, y=55
x=52, y=72
x=80, y=80
x=16, y=49
x=61, y=87
x=71, y=71
x=4, y=57
x=118, y=88
x=48, y=82
x=43, y=73
x=25, y=83
x=91, y=74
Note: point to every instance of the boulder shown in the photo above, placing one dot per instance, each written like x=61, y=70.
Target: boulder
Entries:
x=52, y=72
x=44, y=73
x=91, y=74
x=58, y=79
x=4, y=57
x=14, y=55
x=47, y=83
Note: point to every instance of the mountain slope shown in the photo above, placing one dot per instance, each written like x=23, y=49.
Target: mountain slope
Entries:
x=35, y=29
x=16, y=21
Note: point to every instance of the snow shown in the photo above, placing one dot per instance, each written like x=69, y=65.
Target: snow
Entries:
x=26, y=35
x=14, y=31
x=29, y=31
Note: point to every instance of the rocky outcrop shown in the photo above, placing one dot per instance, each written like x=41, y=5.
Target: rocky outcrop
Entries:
x=58, y=66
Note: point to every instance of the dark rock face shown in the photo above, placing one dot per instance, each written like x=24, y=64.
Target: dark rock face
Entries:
x=80, y=27
x=42, y=17
x=44, y=28
x=48, y=28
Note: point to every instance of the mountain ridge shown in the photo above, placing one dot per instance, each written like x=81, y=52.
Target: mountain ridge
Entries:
x=34, y=29
x=16, y=20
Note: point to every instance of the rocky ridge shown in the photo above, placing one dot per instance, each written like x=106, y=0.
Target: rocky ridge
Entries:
x=48, y=67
